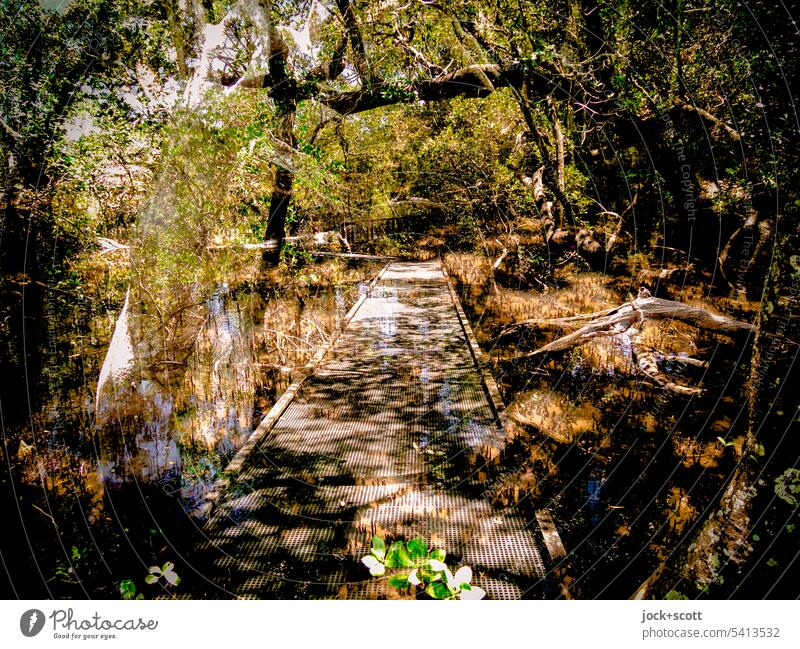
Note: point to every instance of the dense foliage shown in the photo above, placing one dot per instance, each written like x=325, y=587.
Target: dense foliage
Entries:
x=602, y=134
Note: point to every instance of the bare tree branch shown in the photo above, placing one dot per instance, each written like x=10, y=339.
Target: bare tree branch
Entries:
x=708, y=116
x=468, y=81
x=618, y=320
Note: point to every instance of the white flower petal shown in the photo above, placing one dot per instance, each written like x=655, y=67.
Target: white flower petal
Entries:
x=370, y=561
x=463, y=575
x=473, y=593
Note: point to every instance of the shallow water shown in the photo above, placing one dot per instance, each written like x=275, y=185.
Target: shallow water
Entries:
x=627, y=469
x=99, y=500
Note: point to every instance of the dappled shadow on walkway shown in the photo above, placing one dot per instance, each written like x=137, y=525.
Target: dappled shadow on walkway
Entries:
x=389, y=436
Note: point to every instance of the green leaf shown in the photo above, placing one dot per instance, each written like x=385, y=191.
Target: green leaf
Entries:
x=127, y=589
x=391, y=555
x=674, y=594
x=399, y=581
x=398, y=556
x=427, y=575
x=167, y=566
x=378, y=547
x=404, y=559
x=438, y=590
x=438, y=554
x=418, y=548
x=151, y=579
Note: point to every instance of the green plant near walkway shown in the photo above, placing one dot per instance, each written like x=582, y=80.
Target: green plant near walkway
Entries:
x=127, y=587
x=295, y=257
x=417, y=567
x=127, y=590
x=166, y=571
x=66, y=570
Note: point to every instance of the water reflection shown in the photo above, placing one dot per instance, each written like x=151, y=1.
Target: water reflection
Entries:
x=625, y=467
x=594, y=493
x=110, y=477
x=186, y=429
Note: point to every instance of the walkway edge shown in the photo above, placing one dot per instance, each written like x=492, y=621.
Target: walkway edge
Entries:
x=489, y=384
x=547, y=527
x=269, y=420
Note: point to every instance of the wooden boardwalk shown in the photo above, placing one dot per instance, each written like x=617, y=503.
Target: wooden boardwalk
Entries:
x=388, y=435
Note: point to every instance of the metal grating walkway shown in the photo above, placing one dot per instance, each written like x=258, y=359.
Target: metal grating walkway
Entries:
x=388, y=436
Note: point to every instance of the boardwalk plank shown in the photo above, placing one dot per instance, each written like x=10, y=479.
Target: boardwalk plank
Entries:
x=385, y=436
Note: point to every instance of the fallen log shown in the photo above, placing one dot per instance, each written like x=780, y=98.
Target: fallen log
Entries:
x=610, y=322
x=352, y=255
x=629, y=319
x=645, y=361
x=317, y=238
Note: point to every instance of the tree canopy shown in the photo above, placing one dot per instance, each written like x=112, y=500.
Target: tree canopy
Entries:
x=654, y=143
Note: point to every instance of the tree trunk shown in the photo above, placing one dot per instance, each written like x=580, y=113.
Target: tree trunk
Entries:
x=724, y=537
x=535, y=186
x=748, y=240
x=677, y=71
x=22, y=308
x=282, y=89
x=278, y=209
x=562, y=206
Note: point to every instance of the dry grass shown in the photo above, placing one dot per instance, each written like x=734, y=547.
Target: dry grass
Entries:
x=547, y=412
x=555, y=416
